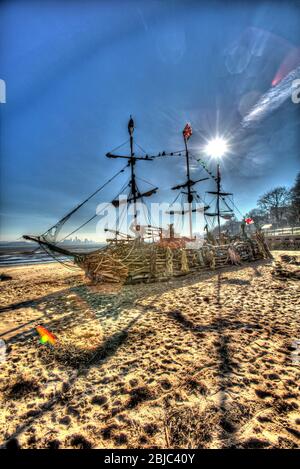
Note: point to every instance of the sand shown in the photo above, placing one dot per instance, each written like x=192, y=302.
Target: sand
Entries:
x=207, y=361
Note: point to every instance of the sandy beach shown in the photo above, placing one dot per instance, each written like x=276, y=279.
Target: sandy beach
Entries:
x=205, y=361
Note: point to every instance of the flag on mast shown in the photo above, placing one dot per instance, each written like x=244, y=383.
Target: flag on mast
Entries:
x=130, y=126
x=187, y=131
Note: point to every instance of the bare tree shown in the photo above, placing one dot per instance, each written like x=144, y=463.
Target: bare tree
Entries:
x=295, y=200
x=275, y=202
x=259, y=216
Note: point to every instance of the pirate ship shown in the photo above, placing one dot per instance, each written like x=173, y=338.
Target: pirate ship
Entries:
x=152, y=253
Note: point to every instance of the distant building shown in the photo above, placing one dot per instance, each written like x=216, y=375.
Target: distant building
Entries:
x=77, y=241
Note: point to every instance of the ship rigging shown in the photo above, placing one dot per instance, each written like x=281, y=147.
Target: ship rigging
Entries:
x=187, y=189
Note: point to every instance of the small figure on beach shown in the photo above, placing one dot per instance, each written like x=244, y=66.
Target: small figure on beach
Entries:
x=233, y=256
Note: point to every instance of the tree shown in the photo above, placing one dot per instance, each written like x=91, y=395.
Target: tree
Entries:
x=275, y=202
x=295, y=200
x=259, y=216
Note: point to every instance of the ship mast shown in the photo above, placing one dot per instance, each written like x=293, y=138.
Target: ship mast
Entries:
x=135, y=194
x=189, y=192
x=189, y=183
x=220, y=197
x=132, y=164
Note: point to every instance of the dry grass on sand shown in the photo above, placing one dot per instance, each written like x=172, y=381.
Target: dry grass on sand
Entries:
x=197, y=362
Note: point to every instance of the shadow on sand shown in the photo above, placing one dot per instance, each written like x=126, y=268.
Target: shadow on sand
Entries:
x=111, y=306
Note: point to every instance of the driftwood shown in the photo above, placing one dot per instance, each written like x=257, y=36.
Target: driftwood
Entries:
x=233, y=256
x=284, y=271
x=139, y=261
x=263, y=247
x=288, y=267
x=104, y=268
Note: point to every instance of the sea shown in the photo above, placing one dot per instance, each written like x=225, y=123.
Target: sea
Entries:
x=14, y=254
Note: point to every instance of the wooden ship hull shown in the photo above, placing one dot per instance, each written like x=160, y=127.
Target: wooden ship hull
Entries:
x=139, y=261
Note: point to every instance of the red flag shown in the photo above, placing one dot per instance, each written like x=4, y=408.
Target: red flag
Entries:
x=249, y=221
x=187, y=131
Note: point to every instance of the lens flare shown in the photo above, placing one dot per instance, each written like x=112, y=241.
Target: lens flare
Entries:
x=216, y=147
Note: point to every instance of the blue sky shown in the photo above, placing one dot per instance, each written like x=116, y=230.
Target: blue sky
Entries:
x=75, y=70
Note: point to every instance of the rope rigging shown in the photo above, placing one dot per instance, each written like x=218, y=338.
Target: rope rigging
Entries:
x=93, y=217
x=215, y=179
x=57, y=259
x=57, y=227
x=144, y=180
x=189, y=191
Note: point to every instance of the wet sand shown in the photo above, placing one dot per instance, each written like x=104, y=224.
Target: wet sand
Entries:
x=198, y=362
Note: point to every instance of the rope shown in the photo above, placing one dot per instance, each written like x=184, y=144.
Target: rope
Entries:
x=144, y=180
x=141, y=148
x=179, y=193
x=146, y=212
x=85, y=201
x=199, y=160
x=96, y=214
x=57, y=259
x=121, y=217
x=164, y=154
x=119, y=146
x=214, y=178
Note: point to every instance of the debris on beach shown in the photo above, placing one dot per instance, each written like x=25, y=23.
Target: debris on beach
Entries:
x=287, y=267
x=4, y=277
x=188, y=363
x=76, y=346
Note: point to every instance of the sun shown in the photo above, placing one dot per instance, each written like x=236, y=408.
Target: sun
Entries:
x=216, y=147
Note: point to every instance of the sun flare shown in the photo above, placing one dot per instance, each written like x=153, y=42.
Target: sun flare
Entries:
x=216, y=147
